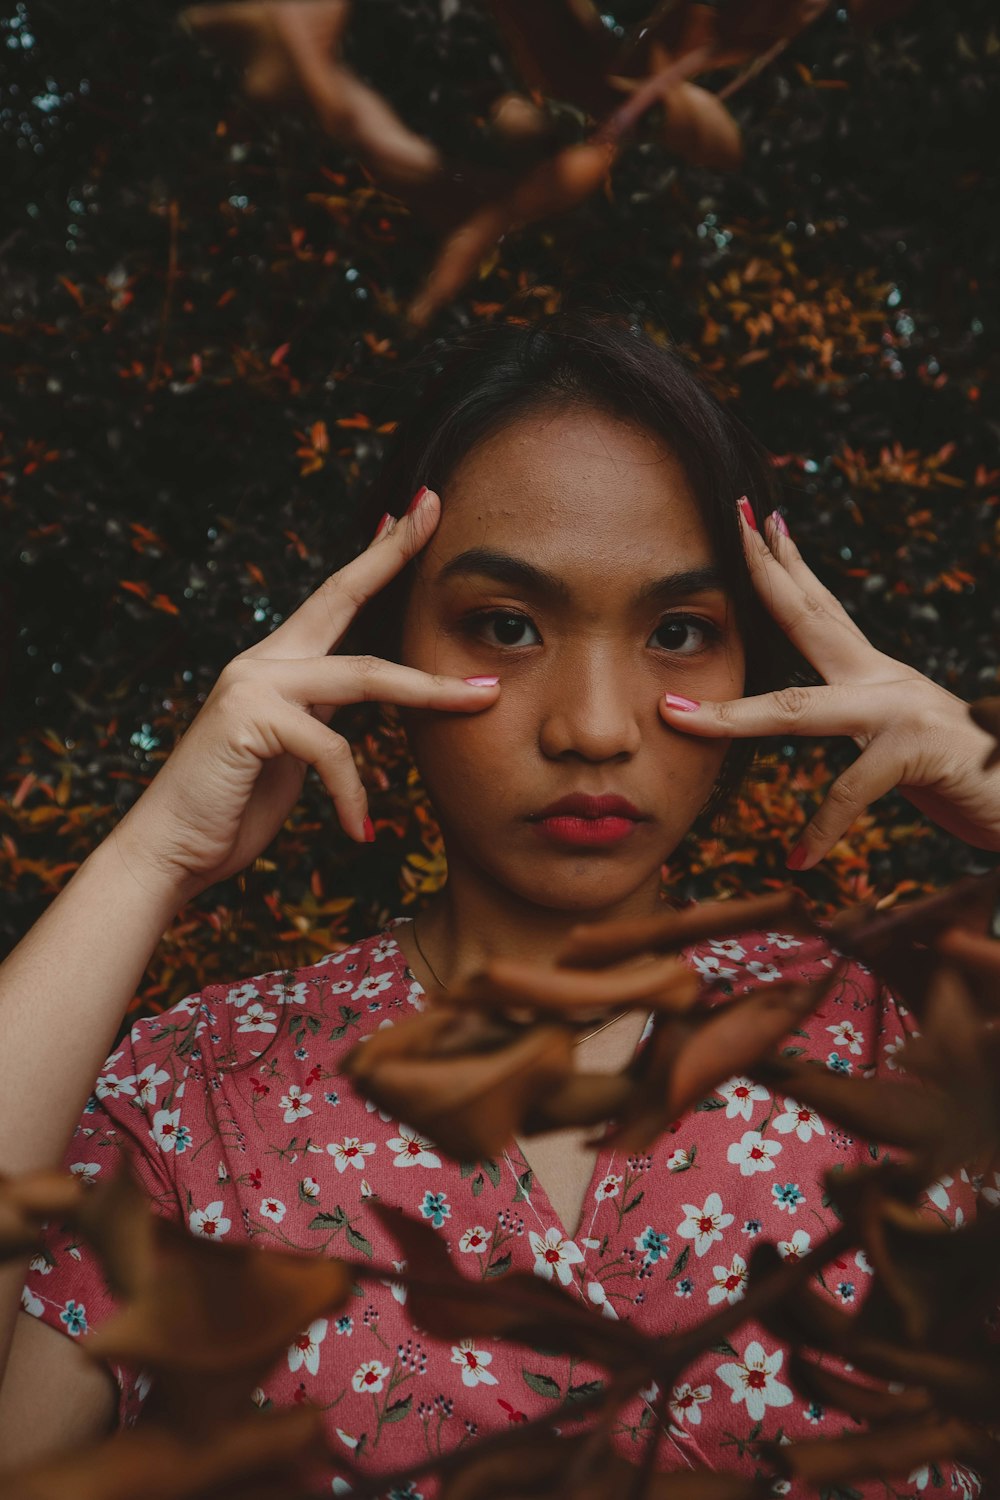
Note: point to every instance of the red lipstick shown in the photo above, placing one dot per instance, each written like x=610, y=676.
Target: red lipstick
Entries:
x=580, y=819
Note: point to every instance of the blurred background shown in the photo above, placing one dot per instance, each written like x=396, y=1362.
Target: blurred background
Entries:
x=204, y=348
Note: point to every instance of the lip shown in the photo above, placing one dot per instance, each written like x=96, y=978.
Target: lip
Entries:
x=594, y=821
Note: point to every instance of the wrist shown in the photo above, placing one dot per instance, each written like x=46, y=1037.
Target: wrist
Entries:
x=145, y=879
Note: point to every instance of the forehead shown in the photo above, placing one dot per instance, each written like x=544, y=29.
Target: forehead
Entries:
x=575, y=484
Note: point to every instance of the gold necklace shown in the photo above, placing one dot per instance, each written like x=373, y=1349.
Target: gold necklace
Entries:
x=440, y=981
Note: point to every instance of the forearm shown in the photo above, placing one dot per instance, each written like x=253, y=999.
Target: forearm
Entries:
x=63, y=992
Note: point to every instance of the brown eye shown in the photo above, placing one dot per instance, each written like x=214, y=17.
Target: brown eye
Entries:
x=682, y=635
x=502, y=628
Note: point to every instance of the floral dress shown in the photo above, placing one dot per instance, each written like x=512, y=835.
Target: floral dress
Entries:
x=240, y=1126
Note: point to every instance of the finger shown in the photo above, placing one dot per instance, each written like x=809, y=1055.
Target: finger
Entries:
x=336, y=680
x=782, y=546
x=320, y=622
x=823, y=639
x=845, y=710
x=332, y=759
x=875, y=772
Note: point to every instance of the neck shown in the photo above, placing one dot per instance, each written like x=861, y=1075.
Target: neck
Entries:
x=472, y=920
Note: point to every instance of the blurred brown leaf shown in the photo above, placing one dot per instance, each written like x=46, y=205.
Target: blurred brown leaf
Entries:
x=289, y=52
x=160, y=1464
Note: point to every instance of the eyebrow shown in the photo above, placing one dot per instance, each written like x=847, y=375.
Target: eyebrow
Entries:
x=504, y=568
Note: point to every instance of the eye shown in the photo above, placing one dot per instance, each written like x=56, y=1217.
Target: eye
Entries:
x=503, y=627
x=684, y=635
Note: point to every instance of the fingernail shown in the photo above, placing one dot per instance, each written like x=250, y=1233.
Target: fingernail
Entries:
x=747, y=509
x=369, y=827
x=779, y=523
x=382, y=525
x=797, y=858
x=674, y=700
x=482, y=681
x=416, y=500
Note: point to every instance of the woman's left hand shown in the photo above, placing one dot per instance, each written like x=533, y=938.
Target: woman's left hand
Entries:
x=913, y=734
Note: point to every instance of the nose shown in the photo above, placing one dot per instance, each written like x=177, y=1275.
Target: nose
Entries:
x=591, y=708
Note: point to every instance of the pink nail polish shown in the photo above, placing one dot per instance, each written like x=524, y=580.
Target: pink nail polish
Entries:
x=382, y=525
x=747, y=509
x=416, y=500
x=482, y=681
x=779, y=523
x=674, y=700
x=797, y=858
x=369, y=827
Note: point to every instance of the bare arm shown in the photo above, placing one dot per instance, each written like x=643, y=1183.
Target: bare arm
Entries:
x=63, y=992
x=220, y=798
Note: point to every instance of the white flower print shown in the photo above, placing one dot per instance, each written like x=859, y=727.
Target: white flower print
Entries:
x=599, y=1297
x=686, y=1402
x=799, y=1117
x=473, y=1362
x=273, y=1208
x=350, y=1151
x=892, y=1051
x=40, y=1265
x=86, y=1170
x=397, y=1288
x=372, y=1107
x=241, y=993
x=704, y=1225
x=846, y=1035
x=290, y=994
x=382, y=950
x=728, y=947
x=554, y=1255
x=741, y=1094
x=295, y=1104
x=370, y=1377
x=149, y=1080
x=608, y=1187
x=753, y=1153
x=372, y=985
x=475, y=1241
x=168, y=1132
x=305, y=1349
x=766, y=973
x=795, y=1246
x=256, y=1018
x=938, y=1192
x=782, y=941
x=412, y=1150
x=309, y=1189
x=710, y=966
x=730, y=1285
x=110, y=1086
x=208, y=1222
x=31, y=1304
x=754, y=1380
x=680, y=1160
x=864, y=1264
x=992, y=1194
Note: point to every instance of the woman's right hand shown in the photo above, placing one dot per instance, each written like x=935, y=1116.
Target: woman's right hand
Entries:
x=228, y=786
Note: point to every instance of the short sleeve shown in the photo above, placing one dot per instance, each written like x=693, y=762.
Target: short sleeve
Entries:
x=136, y=1111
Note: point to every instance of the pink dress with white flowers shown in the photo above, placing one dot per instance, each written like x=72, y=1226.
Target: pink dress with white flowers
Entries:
x=275, y=1146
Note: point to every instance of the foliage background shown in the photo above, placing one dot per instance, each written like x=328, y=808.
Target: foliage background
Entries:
x=203, y=340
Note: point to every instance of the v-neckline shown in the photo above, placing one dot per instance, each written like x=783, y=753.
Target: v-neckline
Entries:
x=538, y=1197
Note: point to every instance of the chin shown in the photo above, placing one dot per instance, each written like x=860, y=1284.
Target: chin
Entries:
x=591, y=886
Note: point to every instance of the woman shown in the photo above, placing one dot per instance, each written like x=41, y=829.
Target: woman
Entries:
x=578, y=620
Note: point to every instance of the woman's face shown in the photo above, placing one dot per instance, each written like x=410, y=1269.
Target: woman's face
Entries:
x=571, y=562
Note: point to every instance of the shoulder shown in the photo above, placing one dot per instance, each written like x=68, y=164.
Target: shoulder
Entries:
x=349, y=992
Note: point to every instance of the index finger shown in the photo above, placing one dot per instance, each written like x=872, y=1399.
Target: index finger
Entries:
x=802, y=611
x=321, y=621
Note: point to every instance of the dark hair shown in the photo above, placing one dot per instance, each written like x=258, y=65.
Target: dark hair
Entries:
x=483, y=379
